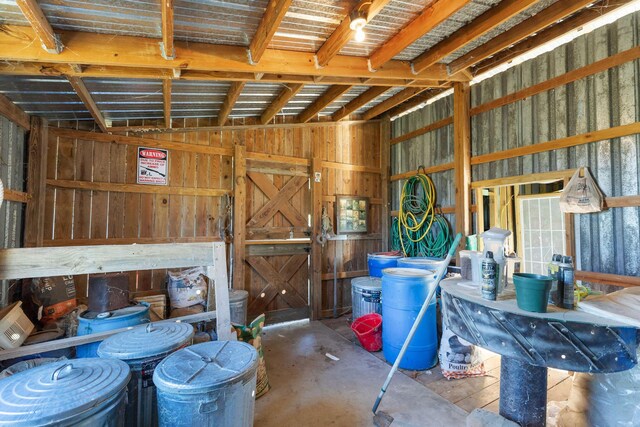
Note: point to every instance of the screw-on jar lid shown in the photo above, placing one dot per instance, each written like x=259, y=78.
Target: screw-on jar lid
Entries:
x=148, y=340
x=60, y=391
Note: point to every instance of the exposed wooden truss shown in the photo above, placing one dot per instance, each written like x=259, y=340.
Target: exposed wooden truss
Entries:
x=273, y=15
x=14, y=113
x=166, y=47
x=33, y=13
x=85, y=96
x=333, y=93
x=232, y=96
x=389, y=103
x=428, y=19
x=285, y=95
x=166, y=102
x=360, y=101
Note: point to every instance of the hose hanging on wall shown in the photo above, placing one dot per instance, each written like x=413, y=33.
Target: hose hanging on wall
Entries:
x=419, y=230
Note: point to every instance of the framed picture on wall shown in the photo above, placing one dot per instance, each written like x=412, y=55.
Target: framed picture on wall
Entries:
x=352, y=214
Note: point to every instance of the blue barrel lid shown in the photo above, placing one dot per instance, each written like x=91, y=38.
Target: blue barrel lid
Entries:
x=205, y=367
x=60, y=391
x=383, y=255
x=119, y=314
x=407, y=272
x=148, y=340
x=367, y=282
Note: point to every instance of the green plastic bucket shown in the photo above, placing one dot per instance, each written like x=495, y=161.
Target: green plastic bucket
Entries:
x=532, y=291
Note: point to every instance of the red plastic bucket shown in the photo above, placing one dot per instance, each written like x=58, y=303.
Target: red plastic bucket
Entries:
x=368, y=329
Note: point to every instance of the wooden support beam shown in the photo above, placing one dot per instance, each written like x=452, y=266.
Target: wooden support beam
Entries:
x=239, y=214
x=36, y=186
x=415, y=101
x=16, y=196
x=14, y=113
x=462, y=157
x=331, y=94
x=385, y=154
x=389, y=103
x=317, y=155
x=87, y=100
x=273, y=15
x=278, y=104
x=538, y=22
x=33, y=13
x=167, y=49
x=479, y=26
x=608, y=279
x=135, y=188
x=342, y=35
x=361, y=100
x=432, y=169
x=430, y=127
x=235, y=89
x=557, y=30
x=433, y=15
x=166, y=99
x=17, y=44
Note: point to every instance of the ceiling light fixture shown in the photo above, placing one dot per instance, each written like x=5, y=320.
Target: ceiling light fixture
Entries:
x=358, y=21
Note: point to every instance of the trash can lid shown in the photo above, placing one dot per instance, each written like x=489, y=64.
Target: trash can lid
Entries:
x=60, y=391
x=131, y=311
x=237, y=295
x=406, y=272
x=205, y=367
x=367, y=282
x=148, y=340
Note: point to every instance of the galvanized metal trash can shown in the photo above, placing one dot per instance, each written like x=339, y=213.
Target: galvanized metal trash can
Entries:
x=208, y=384
x=142, y=348
x=238, y=302
x=80, y=392
x=366, y=294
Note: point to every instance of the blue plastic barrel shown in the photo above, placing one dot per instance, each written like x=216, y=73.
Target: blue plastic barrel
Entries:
x=208, y=384
x=78, y=392
x=405, y=290
x=91, y=322
x=422, y=263
x=379, y=261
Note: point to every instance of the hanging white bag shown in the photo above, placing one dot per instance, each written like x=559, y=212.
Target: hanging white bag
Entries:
x=582, y=194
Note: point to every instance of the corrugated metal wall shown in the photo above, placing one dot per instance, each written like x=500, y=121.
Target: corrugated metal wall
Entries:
x=608, y=242
x=12, y=173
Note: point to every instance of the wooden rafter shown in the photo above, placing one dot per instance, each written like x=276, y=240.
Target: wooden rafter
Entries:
x=273, y=15
x=362, y=99
x=126, y=51
x=428, y=19
x=333, y=93
x=166, y=47
x=85, y=96
x=538, y=22
x=33, y=13
x=235, y=89
x=389, y=103
x=481, y=25
x=558, y=30
x=285, y=95
x=14, y=113
x=341, y=35
x=415, y=101
x=166, y=100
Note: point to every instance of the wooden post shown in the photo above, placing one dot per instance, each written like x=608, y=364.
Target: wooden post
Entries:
x=462, y=157
x=316, y=206
x=385, y=154
x=36, y=182
x=239, y=214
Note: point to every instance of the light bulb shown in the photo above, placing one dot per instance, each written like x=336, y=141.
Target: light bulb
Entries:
x=360, y=35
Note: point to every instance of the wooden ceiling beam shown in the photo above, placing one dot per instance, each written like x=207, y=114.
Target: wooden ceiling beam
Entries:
x=167, y=49
x=389, y=103
x=273, y=15
x=33, y=13
x=415, y=101
x=478, y=27
x=428, y=19
x=14, y=113
x=166, y=98
x=363, y=99
x=87, y=100
x=536, y=23
x=343, y=33
x=235, y=89
x=16, y=44
x=333, y=93
x=558, y=30
x=278, y=104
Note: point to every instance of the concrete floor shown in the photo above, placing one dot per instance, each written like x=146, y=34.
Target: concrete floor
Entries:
x=310, y=389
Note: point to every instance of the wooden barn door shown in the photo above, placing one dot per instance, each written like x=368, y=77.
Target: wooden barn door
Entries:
x=277, y=243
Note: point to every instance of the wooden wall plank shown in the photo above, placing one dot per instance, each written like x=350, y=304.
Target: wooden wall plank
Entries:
x=36, y=175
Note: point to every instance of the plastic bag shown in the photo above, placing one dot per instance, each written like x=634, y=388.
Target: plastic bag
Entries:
x=251, y=335
x=459, y=358
x=582, y=194
x=187, y=287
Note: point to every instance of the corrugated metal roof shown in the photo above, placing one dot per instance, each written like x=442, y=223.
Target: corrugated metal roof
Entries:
x=197, y=98
x=122, y=99
x=388, y=94
x=303, y=99
x=49, y=97
x=255, y=98
x=353, y=93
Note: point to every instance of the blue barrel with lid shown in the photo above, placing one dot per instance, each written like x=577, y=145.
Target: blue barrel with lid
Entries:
x=421, y=263
x=143, y=348
x=208, y=384
x=80, y=392
x=405, y=290
x=91, y=322
x=381, y=260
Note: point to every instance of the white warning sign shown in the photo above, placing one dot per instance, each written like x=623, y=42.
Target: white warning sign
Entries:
x=152, y=166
